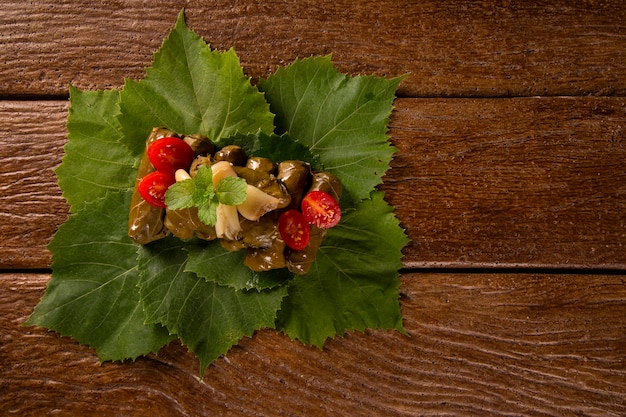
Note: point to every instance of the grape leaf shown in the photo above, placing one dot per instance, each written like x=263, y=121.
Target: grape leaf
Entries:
x=353, y=283
x=249, y=142
x=272, y=146
x=342, y=119
x=105, y=288
x=283, y=148
x=207, y=317
x=214, y=263
x=93, y=146
x=93, y=295
x=192, y=89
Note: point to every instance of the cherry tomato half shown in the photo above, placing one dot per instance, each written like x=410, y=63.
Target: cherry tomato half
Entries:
x=169, y=154
x=153, y=186
x=321, y=209
x=294, y=229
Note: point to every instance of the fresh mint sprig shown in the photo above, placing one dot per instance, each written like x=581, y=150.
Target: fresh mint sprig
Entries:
x=199, y=192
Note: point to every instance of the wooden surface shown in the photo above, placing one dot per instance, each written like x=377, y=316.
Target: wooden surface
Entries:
x=509, y=179
x=480, y=344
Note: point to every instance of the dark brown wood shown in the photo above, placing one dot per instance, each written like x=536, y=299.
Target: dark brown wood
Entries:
x=453, y=48
x=505, y=161
x=478, y=344
x=32, y=135
x=526, y=182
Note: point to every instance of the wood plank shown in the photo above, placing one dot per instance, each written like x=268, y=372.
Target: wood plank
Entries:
x=451, y=48
x=528, y=182
x=479, y=344
x=32, y=135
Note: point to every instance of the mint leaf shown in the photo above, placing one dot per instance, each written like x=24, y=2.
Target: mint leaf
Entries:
x=93, y=147
x=208, y=318
x=192, y=89
x=215, y=264
x=93, y=295
x=353, y=283
x=341, y=119
x=198, y=192
x=180, y=195
x=231, y=191
x=204, y=185
x=207, y=213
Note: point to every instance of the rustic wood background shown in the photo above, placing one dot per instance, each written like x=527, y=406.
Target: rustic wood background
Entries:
x=510, y=180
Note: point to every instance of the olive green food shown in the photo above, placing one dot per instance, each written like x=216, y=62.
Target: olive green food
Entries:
x=287, y=181
x=145, y=222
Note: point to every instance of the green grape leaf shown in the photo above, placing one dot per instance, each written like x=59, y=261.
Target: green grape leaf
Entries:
x=192, y=89
x=353, y=283
x=207, y=317
x=93, y=147
x=341, y=119
x=278, y=148
x=93, y=295
x=214, y=263
x=283, y=148
x=249, y=142
x=127, y=300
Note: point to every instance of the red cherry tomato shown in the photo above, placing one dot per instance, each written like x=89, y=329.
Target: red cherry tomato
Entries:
x=169, y=154
x=294, y=229
x=321, y=209
x=153, y=186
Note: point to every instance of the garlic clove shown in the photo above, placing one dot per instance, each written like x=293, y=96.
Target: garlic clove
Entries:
x=227, y=222
x=257, y=203
x=181, y=175
x=221, y=170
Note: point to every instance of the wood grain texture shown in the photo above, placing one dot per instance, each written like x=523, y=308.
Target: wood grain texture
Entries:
x=526, y=182
x=478, y=344
x=505, y=161
x=32, y=135
x=454, y=48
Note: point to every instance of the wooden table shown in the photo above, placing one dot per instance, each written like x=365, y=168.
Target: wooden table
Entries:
x=510, y=180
